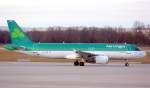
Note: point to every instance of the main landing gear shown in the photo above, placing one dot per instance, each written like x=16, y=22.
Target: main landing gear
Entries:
x=126, y=63
x=77, y=63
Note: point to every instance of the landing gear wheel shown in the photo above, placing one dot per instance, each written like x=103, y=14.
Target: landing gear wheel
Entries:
x=81, y=63
x=126, y=64
x=76, y=63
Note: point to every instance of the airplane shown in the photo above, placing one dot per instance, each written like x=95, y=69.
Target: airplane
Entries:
x=81, y=53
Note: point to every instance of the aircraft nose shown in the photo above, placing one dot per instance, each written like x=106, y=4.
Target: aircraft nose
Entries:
x=143, y=53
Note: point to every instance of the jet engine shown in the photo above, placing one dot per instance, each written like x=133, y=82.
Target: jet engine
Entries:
x=101, y=59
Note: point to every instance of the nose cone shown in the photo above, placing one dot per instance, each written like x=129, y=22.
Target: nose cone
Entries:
x=144, y=53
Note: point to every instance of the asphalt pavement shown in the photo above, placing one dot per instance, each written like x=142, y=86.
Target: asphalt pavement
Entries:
x=65, y=75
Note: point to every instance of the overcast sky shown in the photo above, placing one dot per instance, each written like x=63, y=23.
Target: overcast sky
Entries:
x=44, y=13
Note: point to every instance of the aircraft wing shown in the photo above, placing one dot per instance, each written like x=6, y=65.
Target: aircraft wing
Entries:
x=88, y=57
x=83, y=54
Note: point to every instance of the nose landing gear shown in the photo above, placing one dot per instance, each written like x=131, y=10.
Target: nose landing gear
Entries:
x=126, y=63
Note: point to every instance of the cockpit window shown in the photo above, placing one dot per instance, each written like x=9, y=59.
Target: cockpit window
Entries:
x=137, y=49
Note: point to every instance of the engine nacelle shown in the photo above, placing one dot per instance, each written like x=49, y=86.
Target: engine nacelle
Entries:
x=101, y=59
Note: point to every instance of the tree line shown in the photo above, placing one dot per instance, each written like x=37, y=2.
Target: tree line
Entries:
x=139, y=35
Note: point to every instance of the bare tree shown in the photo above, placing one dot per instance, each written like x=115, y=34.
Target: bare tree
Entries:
x=87, y=35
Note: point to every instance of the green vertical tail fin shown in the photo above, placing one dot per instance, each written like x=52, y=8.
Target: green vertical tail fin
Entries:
x=18, y=37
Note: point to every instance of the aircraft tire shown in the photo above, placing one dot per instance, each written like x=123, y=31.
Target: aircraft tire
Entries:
x=76, y=63
x=126, y=64
x=81, y=63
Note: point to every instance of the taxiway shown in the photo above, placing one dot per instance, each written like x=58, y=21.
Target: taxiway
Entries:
x=65, y=75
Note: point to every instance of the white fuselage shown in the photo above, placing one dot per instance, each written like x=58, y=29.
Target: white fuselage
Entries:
x=68, y=54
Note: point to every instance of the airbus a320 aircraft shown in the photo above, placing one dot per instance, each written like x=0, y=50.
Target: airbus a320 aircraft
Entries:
x=80, y=52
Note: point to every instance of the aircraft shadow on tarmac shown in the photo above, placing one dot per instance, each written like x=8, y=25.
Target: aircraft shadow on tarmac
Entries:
x=89, y=65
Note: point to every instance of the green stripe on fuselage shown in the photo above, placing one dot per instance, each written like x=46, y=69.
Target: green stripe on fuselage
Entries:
x=80, y=46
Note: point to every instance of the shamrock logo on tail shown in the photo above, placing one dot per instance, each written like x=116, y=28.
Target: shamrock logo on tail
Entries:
x=17, y=34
